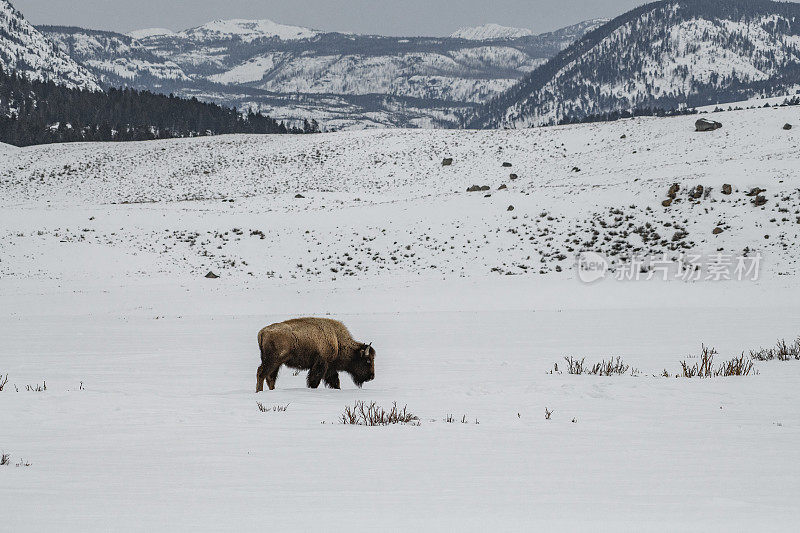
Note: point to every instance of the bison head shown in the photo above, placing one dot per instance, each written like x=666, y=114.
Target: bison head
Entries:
x=362, y=365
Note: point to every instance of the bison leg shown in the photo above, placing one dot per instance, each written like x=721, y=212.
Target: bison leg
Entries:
x=332, y=379
x=272, y=376
x=260, y=378
x=316, y=374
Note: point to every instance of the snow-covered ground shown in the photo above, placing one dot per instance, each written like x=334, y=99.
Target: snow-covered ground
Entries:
x=149, y=420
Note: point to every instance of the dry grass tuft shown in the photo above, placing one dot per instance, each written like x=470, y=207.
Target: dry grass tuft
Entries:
x=37, y=387
x=371, y=414
x=274, y=409
x=612, y=367
x=5, y=459
x=575, y=366
x=547, y=413
x=3, y=381
x=781, y=352
x=738, y=366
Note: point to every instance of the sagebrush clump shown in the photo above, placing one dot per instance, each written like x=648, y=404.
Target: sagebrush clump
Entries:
x=371, y=414
x=782, y=352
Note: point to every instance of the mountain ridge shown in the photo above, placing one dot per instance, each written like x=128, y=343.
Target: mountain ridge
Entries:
x=341, y=80
x=667, y=54
x=25, y=50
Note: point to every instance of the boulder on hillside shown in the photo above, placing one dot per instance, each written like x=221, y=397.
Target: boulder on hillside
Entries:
x=447, y=161
x=705, y=124
x=512, y=176
x=507, y=165
x=717, y=230
x=755, y=191
x=299, y=196
x=696, y=192
x=727, y=189
x=478, y=188
x=211, y=275
x=787, y=126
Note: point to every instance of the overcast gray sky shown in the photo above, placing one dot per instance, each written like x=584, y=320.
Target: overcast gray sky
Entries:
x=395, y=17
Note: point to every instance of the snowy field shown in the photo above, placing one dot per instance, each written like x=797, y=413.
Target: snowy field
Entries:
x=149, y=420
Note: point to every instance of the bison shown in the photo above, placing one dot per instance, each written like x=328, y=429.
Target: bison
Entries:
x=322, y=346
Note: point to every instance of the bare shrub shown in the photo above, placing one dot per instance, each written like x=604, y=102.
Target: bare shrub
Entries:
x=5, y=459
x=703, y=368
x=782, y=352
x=3, y=381
x=371, y=414
x=23, y=462
x=610, y=368
x=547, y=413
x=575, y=366
x=274, y=409
x=738, y=366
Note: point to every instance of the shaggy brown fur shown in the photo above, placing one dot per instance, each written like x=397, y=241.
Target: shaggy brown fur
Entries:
x=322, y=346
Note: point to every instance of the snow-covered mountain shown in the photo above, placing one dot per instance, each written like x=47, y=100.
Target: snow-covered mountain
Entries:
x=664, y=55
x=247, y=31
x=341, y=80
x=115, y=59
x=489, y=32
x=25, y=50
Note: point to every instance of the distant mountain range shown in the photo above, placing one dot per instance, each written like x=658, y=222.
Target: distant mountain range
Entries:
x=664, y=55
x=342, y=80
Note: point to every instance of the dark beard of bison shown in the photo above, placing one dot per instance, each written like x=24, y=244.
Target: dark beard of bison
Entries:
x=360, y=377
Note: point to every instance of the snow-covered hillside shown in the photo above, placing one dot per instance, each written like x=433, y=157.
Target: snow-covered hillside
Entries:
x=25, y=50
x=664, y=55
x=572, y=188
x=131, y=376
x=491, y=31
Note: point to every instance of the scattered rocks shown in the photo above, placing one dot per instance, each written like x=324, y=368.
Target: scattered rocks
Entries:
x=759, y=200
x=727, y=189
x=696, y=192
x=667, y=203
x=447, y=161
x=755, y=191
x=787, y=126
x=478, y=188
x=673, y=191
x=704, y=124
x=679, y=236
x=211, y=275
